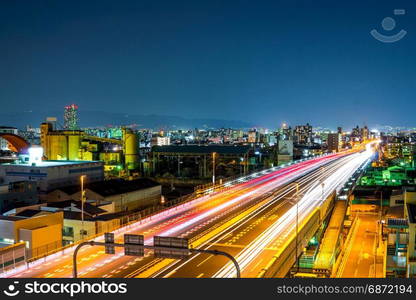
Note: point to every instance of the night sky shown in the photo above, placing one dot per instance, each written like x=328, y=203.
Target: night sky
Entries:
x=259, y=61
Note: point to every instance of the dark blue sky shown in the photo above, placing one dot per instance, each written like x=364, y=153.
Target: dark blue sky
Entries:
x=257, y=61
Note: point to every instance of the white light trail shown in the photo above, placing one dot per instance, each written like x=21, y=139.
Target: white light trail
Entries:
x=286, y=224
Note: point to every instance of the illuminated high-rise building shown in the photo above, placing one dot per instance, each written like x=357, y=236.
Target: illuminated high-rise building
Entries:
x=303, y=134
x=356, y=133
x=253, y=136
x=71, y=117
x=365, y=133
x=285, y=132
x=334, y=142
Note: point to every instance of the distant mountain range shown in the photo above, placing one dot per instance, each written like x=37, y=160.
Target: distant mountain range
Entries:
x=98, y=119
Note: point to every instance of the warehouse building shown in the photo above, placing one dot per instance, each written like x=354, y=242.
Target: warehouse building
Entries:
x=41, y=231
x=114, y=195
x=50, y=175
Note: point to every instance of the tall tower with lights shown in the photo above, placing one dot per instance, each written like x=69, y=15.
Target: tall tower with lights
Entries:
x=71, y=117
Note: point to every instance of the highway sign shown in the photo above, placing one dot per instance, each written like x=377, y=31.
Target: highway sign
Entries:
x=131, y=242
x=109, y=238
x=179, y=247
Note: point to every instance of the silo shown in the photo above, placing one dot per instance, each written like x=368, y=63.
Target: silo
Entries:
x=45, y=128
x=58, y=147
x=131, y=158
x=74, y=144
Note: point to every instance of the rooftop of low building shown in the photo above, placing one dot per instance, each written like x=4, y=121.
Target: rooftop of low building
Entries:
x=112, y=187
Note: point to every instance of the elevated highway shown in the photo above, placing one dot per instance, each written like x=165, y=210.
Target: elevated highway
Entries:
x=253, y=219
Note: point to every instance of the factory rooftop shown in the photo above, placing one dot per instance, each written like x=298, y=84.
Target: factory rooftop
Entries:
x=51, y=163
x=113, y=186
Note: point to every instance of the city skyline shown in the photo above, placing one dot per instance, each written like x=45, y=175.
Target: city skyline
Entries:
x=263, y=64
x=95, y=119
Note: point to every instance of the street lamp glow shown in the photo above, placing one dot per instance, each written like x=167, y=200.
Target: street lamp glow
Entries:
x=35, y=154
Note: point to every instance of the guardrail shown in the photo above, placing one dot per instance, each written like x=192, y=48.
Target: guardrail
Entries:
x=221, y=184
x=284, y=259
x=341, y=261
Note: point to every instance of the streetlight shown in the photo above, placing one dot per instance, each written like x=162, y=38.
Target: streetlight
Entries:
x=297, y=221
x=82, y=204
x=323, y=193
x=213, y=167
x=179, y=165
x=381, y=218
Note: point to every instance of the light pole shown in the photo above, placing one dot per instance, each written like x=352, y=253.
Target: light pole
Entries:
x=375, y=262
x=82, y=204
x=381, y=218
x=213, y=168
x=323, y=194
x=179, y=165
x=297, y=221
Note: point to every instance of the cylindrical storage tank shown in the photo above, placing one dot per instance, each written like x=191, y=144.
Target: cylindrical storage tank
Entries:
x=45, y=128
x=58, y=147
x=74, y=143
x=131, y=158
